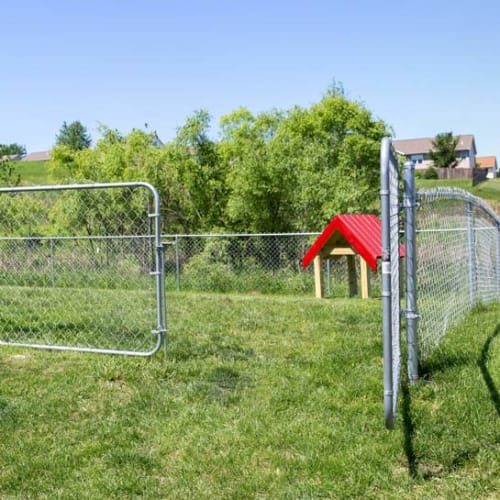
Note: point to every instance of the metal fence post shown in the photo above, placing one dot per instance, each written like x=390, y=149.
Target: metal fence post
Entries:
x=498, y=256
x=471, y=254
x=386, y=282
x=52, y=264
x=177, y=264
x=411, y=282
x=328, y=278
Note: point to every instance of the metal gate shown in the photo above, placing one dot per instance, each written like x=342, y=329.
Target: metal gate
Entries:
x=81, y=268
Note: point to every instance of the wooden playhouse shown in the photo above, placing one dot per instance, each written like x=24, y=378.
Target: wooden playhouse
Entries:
x=347, y=235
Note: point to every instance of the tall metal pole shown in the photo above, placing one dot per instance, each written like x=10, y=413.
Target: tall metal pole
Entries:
x=498, y=257
x=386, y=282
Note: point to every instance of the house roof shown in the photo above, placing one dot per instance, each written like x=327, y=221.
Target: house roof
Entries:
x=38, y=156
x=424, y=145
x=362, y=232
x=486, y=162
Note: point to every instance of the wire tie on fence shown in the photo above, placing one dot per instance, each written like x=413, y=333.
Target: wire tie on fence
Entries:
x=156, y=214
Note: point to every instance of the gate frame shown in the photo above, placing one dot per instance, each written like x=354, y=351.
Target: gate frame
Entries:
x=158, y=273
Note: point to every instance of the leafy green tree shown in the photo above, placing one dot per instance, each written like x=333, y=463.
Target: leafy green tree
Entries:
x=443, y=150
x=259, y=180
x=12, y=149
x=294, y=170
x=8, y=175
x=200, y=172
x=75, y=136
x=333, y=148
x=116, y=158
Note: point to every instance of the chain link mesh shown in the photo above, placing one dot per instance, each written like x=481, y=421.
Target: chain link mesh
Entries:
x=76, y=268
x=250, y=263
x=458, y=260
x=394, y=197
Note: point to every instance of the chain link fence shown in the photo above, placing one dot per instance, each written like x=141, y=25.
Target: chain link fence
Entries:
x=85, y=268
x=81, y=268
x=249, y=263
x=458, y=260
x=452, y=264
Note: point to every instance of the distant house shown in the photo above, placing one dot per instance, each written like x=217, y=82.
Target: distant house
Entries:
x=418, y=151
x=38, y=156
x=14, y=157
x=489, y=163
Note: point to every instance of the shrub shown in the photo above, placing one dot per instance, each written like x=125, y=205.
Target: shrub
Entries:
x=430, y=173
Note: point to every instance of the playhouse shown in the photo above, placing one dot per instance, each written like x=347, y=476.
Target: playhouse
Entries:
x=347, y=235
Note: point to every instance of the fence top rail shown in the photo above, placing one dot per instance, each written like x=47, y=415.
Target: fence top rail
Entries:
x=443, y=193
x=95, y=185
x=235, y=235
x=65, y=187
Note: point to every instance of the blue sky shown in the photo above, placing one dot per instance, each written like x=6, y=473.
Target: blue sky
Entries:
x=423, y=67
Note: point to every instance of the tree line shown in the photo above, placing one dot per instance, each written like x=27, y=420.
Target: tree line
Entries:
x=275, y=171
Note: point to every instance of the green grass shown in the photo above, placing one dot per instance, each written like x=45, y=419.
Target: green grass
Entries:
x=38, y=173
x=259, y=397
x=488, y=190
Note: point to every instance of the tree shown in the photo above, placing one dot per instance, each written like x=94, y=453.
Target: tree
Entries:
x=75, y=136
x=201, y=173
x=12, y=149
x=260, y=184
x=295, y=170
x=443, y=152
x=333, y=148
x=8, y=176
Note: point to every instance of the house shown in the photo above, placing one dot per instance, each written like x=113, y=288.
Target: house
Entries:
x=417, y=150
x=14, y=157
x=489, y=163
x=38, y=156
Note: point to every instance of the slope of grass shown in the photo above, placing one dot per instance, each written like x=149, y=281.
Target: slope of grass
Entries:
x=259, y=397
x=488, y=190
x=38, y=173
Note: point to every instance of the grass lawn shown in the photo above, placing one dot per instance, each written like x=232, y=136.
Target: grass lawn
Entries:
x=259, y=397
x=488, y=190
x=38, y=173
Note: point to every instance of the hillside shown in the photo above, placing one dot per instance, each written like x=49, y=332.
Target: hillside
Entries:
x=488, y=190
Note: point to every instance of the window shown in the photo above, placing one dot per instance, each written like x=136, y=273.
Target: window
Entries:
x=418, y=158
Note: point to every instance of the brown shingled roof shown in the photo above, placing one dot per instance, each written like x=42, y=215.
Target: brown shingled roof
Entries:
x=38, y=156
x=424, y=144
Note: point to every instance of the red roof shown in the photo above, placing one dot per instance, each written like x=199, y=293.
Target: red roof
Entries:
x=362, y=232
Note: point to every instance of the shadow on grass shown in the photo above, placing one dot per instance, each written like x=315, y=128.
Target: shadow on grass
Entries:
x=409, y=430
x=443, y=363
x=488, y=380
x=462, y=456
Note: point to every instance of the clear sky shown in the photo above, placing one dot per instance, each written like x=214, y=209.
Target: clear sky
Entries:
x=423, y=66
